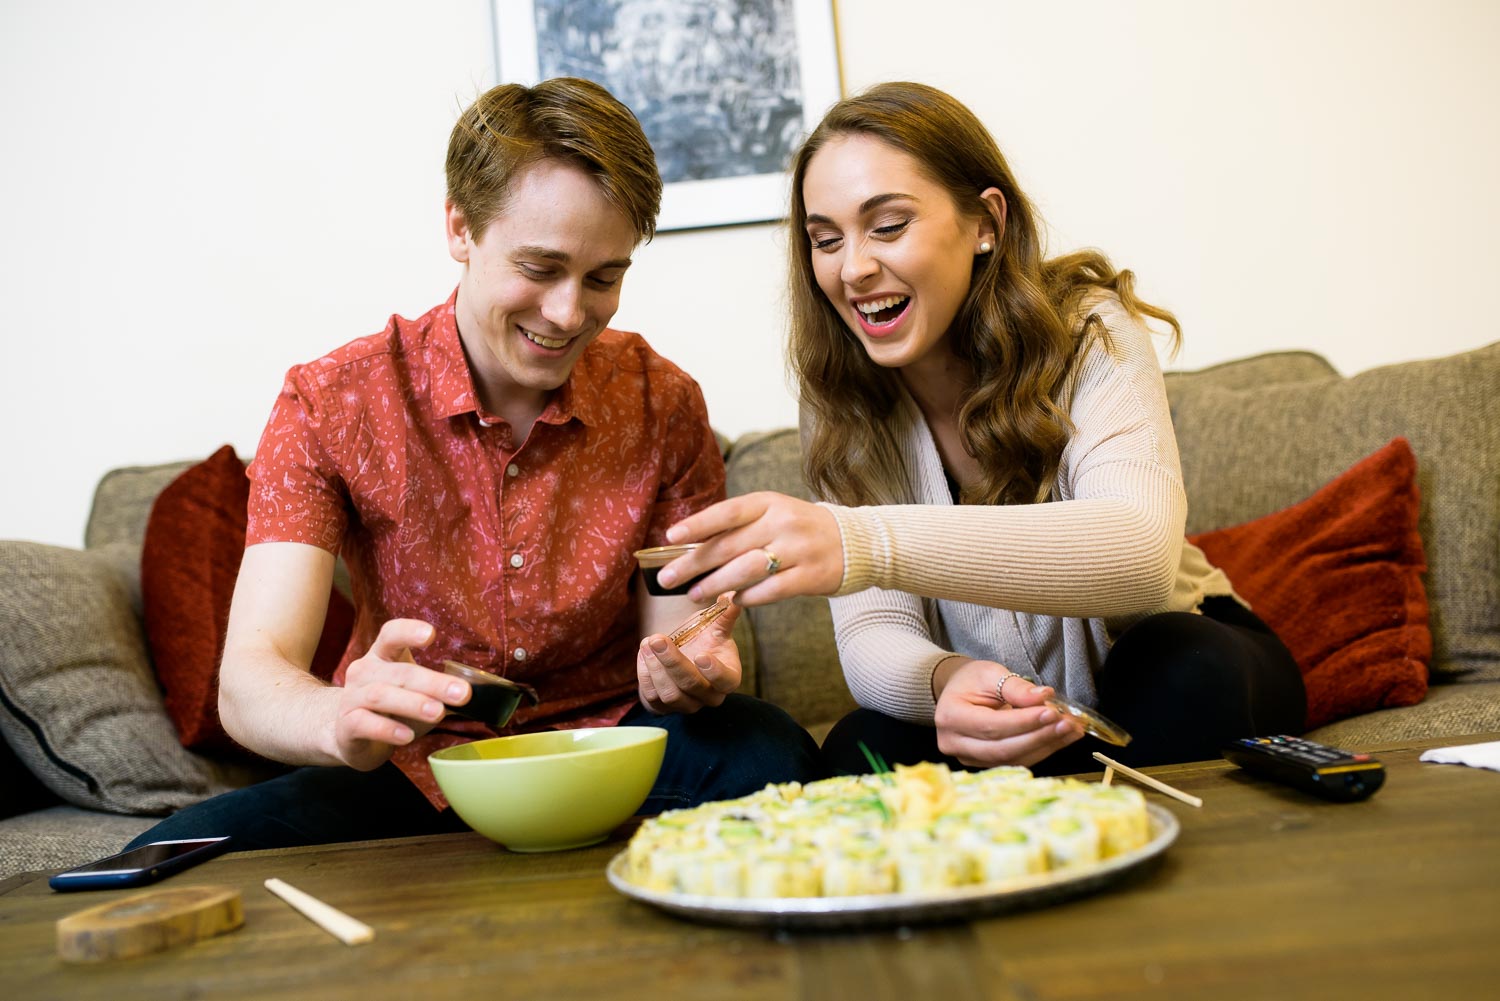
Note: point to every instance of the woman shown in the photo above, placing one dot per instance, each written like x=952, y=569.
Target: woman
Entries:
x=991, y=433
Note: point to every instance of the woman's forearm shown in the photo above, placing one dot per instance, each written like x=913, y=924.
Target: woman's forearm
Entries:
x=1089, y=558
x=887, y=653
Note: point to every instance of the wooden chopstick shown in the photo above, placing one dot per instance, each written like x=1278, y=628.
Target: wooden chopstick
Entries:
x=332, y=920
x=1161, y=787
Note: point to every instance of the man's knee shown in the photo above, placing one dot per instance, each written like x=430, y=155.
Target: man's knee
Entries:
x=734, y=749
x=307, y=806
x=240, y=814
x=763, y=725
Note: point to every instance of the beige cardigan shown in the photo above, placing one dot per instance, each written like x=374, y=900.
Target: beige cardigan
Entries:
x=1040, y=588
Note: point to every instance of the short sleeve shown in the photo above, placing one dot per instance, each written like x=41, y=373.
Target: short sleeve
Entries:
x=297, y=491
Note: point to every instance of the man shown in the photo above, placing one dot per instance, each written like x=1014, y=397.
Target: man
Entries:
x=487, y=472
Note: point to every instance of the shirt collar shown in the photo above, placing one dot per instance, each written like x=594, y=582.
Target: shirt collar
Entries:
x=453, y=383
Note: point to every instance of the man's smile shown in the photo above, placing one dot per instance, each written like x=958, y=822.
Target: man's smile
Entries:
x=550, y=343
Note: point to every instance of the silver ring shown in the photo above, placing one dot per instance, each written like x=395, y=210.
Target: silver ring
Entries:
x=1000, y=688
x=773, y=564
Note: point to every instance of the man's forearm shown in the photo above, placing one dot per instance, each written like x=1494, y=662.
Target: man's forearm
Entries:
x=277, y=709
x=268, y=699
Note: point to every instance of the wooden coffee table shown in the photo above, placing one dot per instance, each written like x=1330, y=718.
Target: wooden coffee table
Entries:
x=1266, y=894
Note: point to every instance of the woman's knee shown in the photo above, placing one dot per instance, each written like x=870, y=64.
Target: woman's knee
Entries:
x=865, y=740
x=1184, y=684
x=1197, y=660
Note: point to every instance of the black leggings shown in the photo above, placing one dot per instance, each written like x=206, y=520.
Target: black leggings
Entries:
x=1181, y=684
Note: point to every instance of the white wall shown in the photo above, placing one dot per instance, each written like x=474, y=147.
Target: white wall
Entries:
x=198, y=195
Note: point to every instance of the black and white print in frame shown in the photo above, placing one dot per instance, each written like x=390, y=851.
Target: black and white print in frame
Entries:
x=725, y=89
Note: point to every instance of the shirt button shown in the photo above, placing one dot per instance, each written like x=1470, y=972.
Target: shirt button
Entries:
x=512, y=470
x=520, y=653
x=516, y=560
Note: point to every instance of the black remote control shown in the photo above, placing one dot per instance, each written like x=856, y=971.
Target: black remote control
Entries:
x=1342, y=776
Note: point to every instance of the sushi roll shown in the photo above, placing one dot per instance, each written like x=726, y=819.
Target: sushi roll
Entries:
x=1120, y=812
x=924, y=865
x=1005, y=855
x=857, y=868
x=1070, y=836
x=654, y=861
x=794, y=872
x=711, y=873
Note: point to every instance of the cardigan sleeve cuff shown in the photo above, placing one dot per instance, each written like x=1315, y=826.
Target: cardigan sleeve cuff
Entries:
x=863, y=539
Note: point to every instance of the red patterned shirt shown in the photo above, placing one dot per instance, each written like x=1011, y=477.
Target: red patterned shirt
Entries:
x=519, y=555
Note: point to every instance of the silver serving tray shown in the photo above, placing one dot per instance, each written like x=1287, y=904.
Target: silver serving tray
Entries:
x=963, y=903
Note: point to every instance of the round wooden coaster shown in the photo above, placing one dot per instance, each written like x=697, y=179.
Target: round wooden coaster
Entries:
x=148, y=922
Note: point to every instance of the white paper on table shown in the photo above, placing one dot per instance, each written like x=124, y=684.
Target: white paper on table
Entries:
x=1473, y=755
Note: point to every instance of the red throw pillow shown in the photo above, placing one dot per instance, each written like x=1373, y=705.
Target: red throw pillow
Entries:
x=1339, y=577
x=195, y=536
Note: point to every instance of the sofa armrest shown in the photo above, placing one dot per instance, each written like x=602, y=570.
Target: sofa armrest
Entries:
x=122, y=502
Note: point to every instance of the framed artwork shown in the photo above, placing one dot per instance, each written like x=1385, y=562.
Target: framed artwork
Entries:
x=725, y=89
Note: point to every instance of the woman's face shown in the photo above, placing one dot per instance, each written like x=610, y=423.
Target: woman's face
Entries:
x=890, y=249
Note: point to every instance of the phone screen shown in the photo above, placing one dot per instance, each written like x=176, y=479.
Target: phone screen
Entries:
x=146, y=856
x=145, y=864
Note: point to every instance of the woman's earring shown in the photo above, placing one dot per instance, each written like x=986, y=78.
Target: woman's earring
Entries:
x=985, y=248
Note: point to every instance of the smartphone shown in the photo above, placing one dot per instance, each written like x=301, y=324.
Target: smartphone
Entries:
x=139, y=866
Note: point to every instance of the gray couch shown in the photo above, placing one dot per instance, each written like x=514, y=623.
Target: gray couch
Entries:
x=92, y=757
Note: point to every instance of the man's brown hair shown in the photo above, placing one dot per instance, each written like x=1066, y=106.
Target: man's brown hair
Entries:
x=510, y=127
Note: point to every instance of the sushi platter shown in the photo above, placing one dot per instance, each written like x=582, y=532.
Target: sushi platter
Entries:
x=920, y=844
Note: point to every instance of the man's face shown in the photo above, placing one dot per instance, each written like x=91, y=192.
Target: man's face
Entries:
x=541, y=281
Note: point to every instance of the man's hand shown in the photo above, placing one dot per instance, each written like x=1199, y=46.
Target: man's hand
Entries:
x=701, y=673
x=977, y=728
x=388, y=700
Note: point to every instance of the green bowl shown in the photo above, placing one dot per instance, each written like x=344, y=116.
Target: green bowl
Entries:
x=543, y=792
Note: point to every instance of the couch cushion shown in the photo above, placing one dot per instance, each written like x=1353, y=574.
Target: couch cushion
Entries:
x=1339, y=577
x=1452, y=710
x=61, y=837
x=1270, y=369
x=191, y=556
x=797, y=659
x=1251, y=450
x=78, y=701
x=122, y=502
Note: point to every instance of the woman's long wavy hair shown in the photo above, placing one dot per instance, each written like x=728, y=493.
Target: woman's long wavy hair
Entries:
x=1018, y=330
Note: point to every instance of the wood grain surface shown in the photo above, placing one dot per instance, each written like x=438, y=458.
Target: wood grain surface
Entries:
x=148, y=922
x=1268, y=893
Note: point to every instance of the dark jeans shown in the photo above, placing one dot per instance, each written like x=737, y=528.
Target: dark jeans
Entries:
x=716, y=753
x=1181, y=684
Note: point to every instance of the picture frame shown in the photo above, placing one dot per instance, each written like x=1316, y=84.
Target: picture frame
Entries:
x=724, y=91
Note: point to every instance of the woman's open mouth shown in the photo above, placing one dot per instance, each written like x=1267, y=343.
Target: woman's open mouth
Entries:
x=879, y=317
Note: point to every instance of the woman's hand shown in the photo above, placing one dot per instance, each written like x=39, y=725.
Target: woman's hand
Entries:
x=702, y=672
x=766, y=546
x=975, y=726
x=388, y=699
